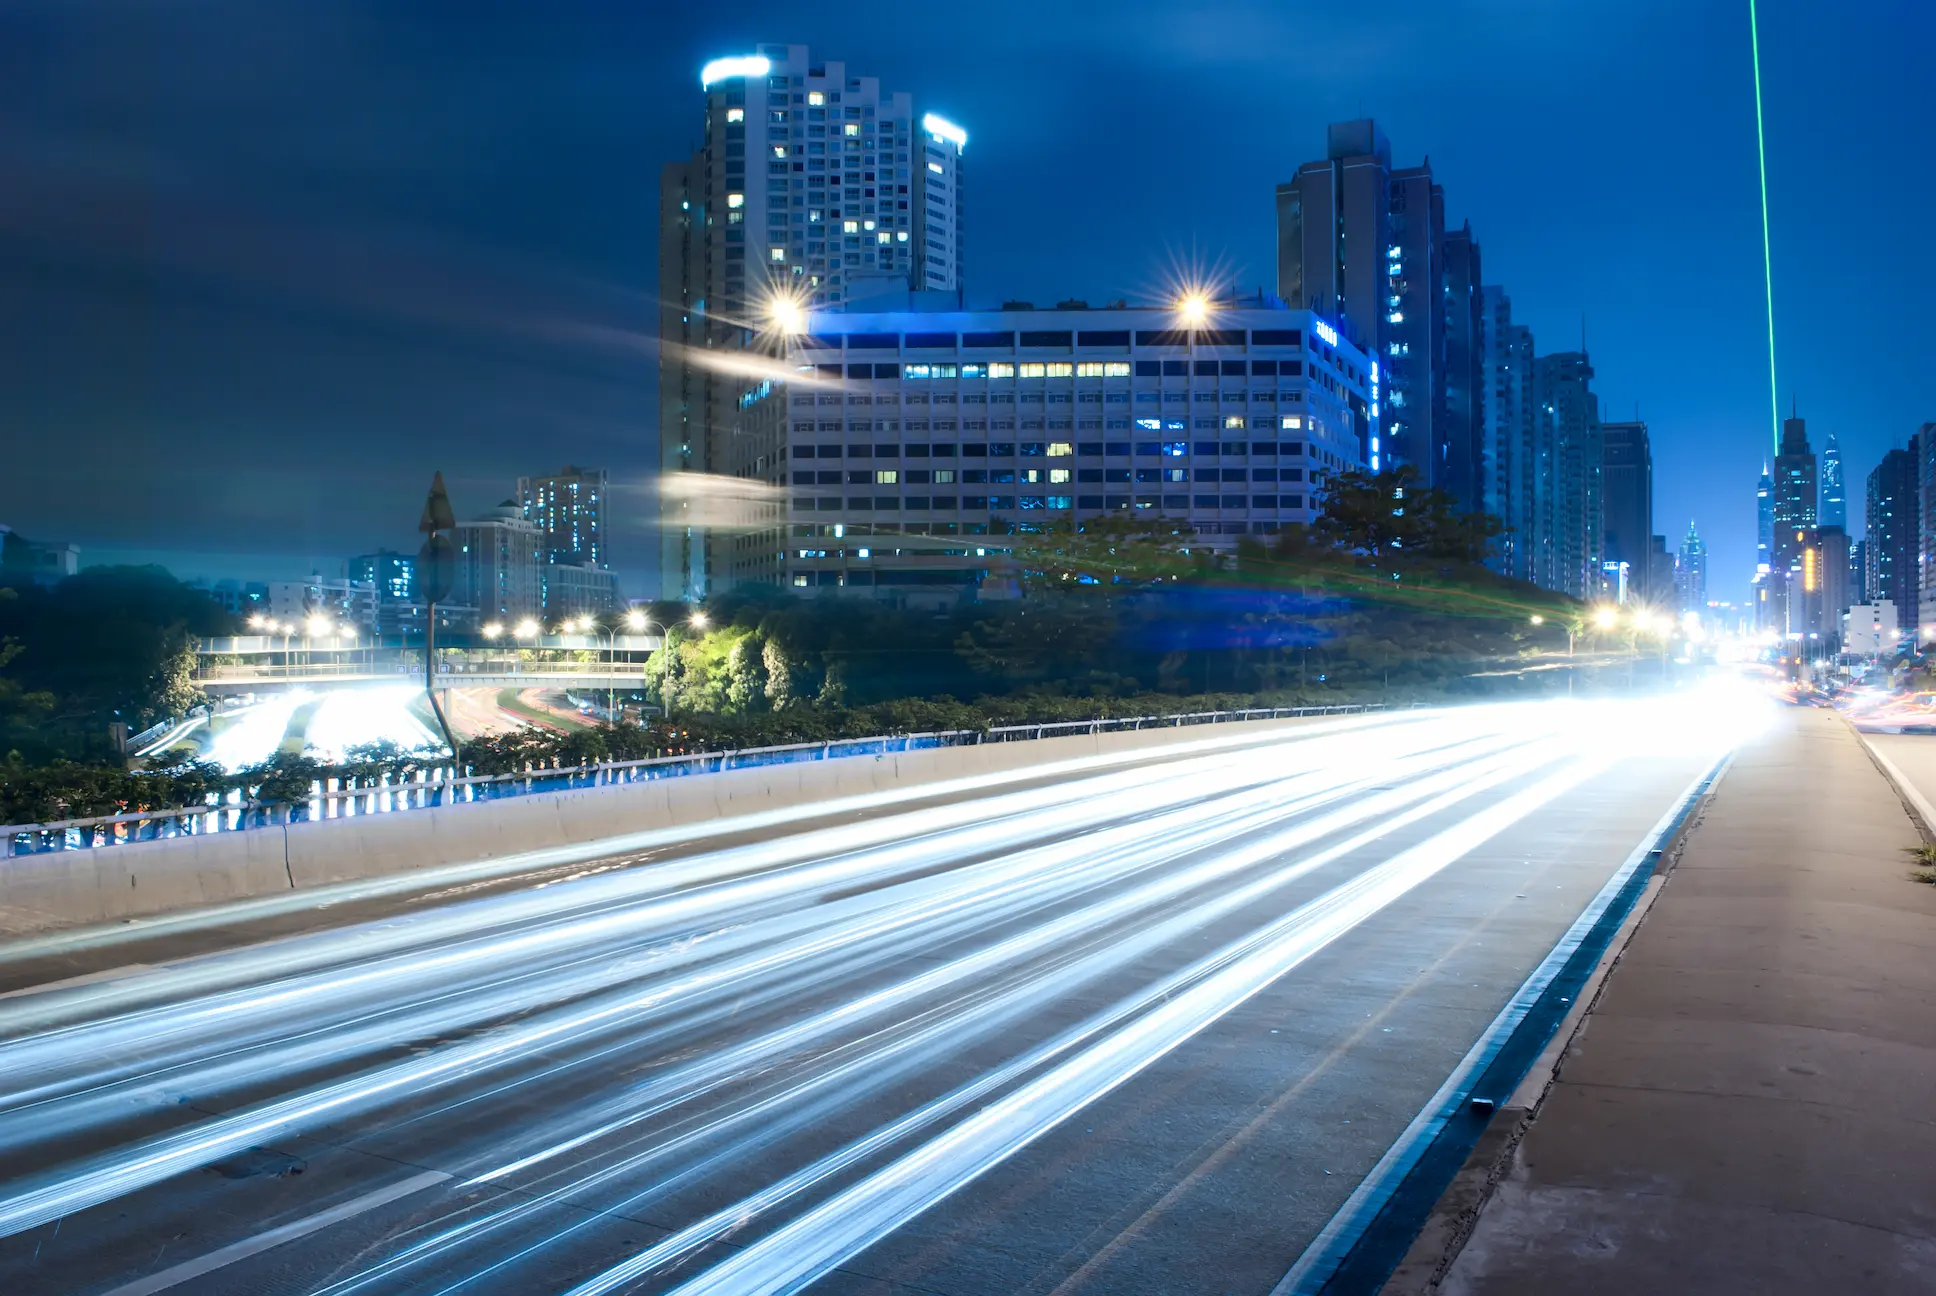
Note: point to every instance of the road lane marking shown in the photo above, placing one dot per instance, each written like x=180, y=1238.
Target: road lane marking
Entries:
x=275, y=1237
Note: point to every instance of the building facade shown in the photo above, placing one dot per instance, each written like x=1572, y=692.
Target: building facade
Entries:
x=1891, y=546
x=913, y=445
x=578, y=589
x=1627, y=506
x=1690, y=572
x=392, y=575
x=1570, y=426
x=569, y=508
x=499, y=572
x=1512, y=477
x=1834, y=509
x=1363, y=243
x=811, y=187
x=1466, y=378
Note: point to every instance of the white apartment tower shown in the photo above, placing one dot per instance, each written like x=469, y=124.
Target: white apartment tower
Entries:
x=810, y=188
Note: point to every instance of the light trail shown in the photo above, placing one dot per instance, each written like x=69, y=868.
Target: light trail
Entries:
x=136, y=1042
x=622, y=1045
x=854, y=1219
x=157, y=1159
x=80, y=1000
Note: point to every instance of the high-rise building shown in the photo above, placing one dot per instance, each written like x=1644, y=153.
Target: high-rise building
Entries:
x=1514, y=480
x=1627, y=505
x=392, y=575
x=1571, y=428
x=1363, y=243
x=1466, y=387
x=1795, y=499
x=1765, y=521
x=1859, y=571
x=1923, y=447
x=578, y=589
x=1835, y=505
x=1891, y=549
x=499, y=572
x=569, y=508
x=1690, y=572
x=811, y=187
x=916, y=442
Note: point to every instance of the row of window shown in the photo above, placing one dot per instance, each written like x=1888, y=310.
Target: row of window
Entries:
x=1058, y=338
x=917, y=372
x=1053, y=476
x=1051, y=449
x=1176, y=501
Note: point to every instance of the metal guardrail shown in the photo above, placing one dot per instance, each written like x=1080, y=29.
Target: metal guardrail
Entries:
x=443, y=786
x=454, y=671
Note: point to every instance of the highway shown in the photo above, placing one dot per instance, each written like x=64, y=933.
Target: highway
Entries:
x=1134, y=1024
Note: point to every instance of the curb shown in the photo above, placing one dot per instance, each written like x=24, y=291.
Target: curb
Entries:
x=1436, y=1176
x=1920, y=811
x=1452, y=1220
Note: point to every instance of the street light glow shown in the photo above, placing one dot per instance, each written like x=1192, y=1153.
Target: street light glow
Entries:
x=786, y=314
x=1194, y=307
x=493, y=629
x=635, y=620
x=317, y=626
x=700, y=620
x=1538, y=619
x=525, y=629
x=1606, y=618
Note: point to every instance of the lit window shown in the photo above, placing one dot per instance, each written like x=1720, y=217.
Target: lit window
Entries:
x=944, y=371
x=867, y=225
x=1089, y=369
x=1057, y=475
x=815, y=99
x=914, y=371
x=799, y=578
x=944, y=476
x=735, y=114
x=974, y=371
x=1175, y=449
x=1061, y=369
x=1116, y=369
x=901, y=236
x=1233, y=421
x=1150, y=424
x=851, y=227
x=1057, y=449
x=886, y=476
x=1033, y=370
x=1001, y=369
x=935, y=167
x=735, y=200
x=779, y=150
x=853, y=128
x=883, y=237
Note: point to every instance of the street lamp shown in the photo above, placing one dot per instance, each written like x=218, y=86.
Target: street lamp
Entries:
x=492, y=629
x=699, y=620
x=525, y=629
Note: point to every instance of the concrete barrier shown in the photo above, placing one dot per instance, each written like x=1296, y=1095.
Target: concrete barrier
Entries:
x=71, y=888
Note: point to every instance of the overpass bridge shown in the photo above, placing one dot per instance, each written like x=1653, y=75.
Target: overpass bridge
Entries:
x=269, y=664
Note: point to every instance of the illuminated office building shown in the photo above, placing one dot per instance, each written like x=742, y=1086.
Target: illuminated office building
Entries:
x=810, y=186
x=909, y=446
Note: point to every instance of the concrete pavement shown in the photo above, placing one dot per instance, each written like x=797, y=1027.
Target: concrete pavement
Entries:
x=1747, y=1107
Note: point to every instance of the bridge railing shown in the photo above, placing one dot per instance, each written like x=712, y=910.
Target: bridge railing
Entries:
x=443, y=785
x=454, y=672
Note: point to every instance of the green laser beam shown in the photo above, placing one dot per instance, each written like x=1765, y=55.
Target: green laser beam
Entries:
x=1767, y=258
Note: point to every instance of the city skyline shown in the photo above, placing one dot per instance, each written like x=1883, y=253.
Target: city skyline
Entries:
x=1671, y=312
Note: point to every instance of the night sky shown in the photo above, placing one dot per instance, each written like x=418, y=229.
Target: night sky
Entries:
x=263, y=266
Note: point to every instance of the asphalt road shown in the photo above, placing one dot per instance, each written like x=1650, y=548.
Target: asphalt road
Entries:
x=1136, y=1027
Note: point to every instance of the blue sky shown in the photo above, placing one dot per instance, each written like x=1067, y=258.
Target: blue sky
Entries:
x=264, y=266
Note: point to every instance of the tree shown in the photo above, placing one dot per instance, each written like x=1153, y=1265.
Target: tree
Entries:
x=746, y=674
x=1394, y=519
x=779, y=674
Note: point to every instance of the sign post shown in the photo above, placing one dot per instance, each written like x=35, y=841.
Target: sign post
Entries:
x=436, y=575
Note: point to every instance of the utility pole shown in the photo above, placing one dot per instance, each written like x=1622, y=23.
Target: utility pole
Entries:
x=436, y=574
